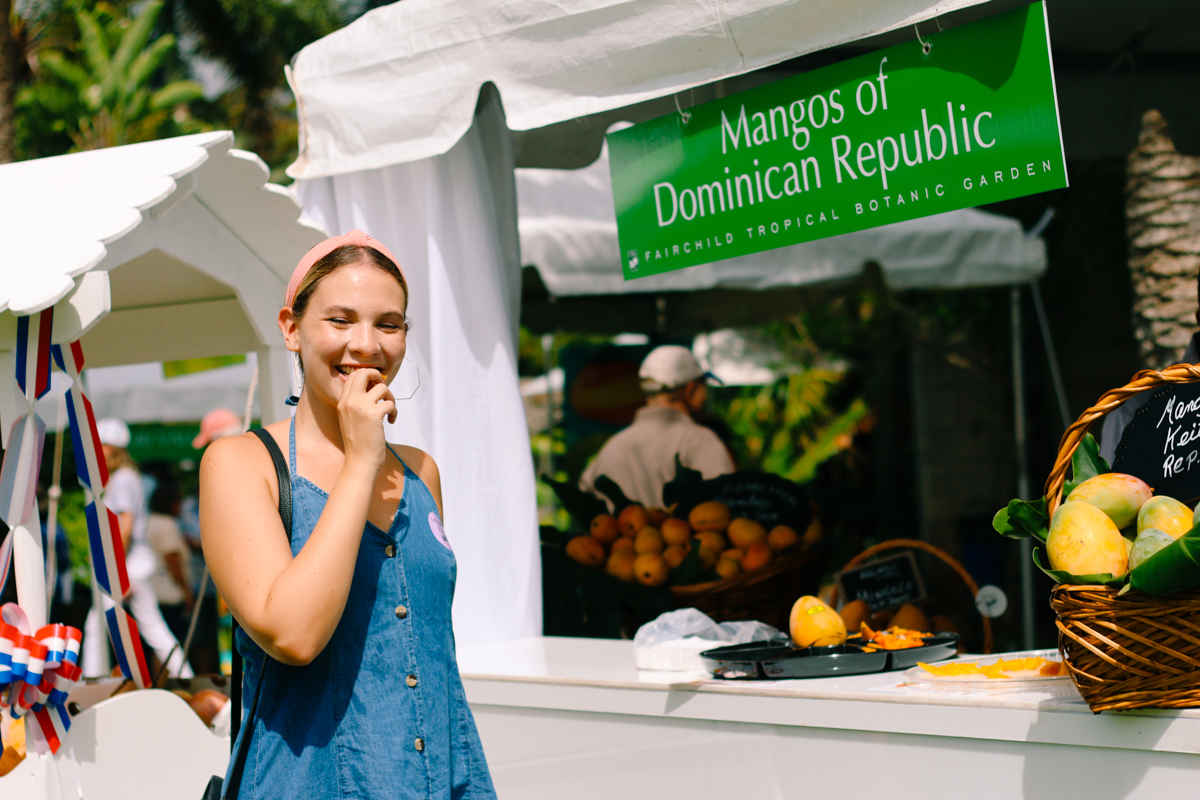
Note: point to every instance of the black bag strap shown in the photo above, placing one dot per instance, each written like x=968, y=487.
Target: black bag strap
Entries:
x=284, y=477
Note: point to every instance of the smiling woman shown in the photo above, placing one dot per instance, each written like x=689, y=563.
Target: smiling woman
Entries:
x=362, y=595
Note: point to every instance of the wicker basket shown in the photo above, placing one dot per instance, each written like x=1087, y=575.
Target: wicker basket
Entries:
x=916, y=544
x=766, y=594
x=1133, y=650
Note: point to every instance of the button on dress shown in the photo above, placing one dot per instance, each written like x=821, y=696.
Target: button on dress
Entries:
x=356, y=722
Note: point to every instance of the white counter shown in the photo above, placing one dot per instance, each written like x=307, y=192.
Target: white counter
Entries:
x=574, y=718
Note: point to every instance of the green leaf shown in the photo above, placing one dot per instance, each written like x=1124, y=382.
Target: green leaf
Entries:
x=609, y=488
x=1086, y=462
x=134, y=41
x=581, y=505
x=144, y=66
x=692, y=570
x=1022, y=519
x=1061, y=576
x=177, y=93
x=1175, y=568
x=54, y=63
x=681, y=485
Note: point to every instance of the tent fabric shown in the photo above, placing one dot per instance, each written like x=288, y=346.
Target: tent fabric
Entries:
x=568, y=230
x=139, y=393
x=65, y=213
x=401, y=83
x=451, y=220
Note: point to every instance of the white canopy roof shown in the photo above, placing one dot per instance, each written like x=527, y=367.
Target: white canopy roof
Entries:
x=401, y=83
x=172, y=249
x=569, y=232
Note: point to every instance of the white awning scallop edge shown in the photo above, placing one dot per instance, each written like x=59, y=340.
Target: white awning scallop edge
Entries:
x=401, y=83
x=61, y=216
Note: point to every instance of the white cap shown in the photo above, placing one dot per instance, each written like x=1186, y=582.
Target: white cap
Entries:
x=113, y=432
x=669, y=367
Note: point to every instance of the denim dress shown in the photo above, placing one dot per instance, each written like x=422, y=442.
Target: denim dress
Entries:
x=380, y=713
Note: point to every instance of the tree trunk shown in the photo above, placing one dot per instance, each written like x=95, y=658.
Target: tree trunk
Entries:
x=1162, y=212
x=8, y=85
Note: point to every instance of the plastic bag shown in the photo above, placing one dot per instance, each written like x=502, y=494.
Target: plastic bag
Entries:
x=675, y=639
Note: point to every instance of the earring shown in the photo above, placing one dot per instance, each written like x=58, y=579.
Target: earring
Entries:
x=418, y=386
x=298, y=378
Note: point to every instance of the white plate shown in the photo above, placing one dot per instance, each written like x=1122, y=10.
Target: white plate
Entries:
x=917, y=675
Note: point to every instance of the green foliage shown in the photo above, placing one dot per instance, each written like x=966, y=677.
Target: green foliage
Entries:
x=100, y=91
x=72, y=520
x=793, y=425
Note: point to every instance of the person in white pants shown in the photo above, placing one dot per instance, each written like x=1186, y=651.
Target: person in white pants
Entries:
x=125, y=496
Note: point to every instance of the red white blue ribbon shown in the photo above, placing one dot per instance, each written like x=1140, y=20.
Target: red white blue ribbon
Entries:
x=104, y=531
x=37, y=673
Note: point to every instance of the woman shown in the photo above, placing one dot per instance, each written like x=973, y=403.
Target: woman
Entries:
x=366, y=699
x=125, y=496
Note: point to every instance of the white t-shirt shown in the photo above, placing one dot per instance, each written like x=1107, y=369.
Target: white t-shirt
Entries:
x=164, y=537
x=125, y=494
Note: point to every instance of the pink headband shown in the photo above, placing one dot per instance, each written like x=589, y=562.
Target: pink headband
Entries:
x=319, y=251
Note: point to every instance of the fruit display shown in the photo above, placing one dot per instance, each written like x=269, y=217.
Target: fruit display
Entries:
x=1110, y=529
x=647, y=544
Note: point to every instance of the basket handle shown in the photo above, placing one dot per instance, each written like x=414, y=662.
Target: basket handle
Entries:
x=893, y=544
x=1143, y=381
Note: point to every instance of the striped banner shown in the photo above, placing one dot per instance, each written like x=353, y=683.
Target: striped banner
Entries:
x=38, y=672
x=18, y=475
x=108, y=549
x=33, y=353
x=124, y=632
x=90, y=465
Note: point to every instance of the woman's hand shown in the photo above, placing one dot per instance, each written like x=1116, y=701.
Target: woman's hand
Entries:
x=366, y=400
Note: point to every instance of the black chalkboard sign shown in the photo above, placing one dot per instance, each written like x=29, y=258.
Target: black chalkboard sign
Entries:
x=765, y=498
x=886, y=583
x=1161, y=444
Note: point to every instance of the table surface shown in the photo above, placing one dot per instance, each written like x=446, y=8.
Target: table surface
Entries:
x=599, y=675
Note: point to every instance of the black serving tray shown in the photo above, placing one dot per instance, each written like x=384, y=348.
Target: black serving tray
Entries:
x=774, y=660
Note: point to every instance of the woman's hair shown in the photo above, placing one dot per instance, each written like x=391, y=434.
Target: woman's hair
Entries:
x=120, y=458
x=334, y=260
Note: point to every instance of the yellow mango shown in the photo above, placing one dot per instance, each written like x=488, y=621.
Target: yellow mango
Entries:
x=814, y=624
x=1084, y=541
x=1167, y=514
x=1119, y=495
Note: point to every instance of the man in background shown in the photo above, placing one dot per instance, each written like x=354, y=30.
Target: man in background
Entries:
x=641, y=458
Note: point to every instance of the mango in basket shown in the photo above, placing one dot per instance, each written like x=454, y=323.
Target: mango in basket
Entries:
x=1118, y=495
x=1084, y=541
x=1148, y=542
x=710, y=516
x=586, y=550
x=1167, y=514
x=814, y=624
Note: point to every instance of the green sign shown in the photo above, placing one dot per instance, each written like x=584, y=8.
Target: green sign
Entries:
x=968, y=118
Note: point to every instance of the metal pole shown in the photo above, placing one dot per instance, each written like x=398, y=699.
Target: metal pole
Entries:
x=1060, y=391
x=1020, y=436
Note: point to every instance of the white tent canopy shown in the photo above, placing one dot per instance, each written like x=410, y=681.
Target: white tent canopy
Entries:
x=401, y=83
x=569, y=232
x=165, y=250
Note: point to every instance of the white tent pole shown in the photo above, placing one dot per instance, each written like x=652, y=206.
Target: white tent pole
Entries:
x=1020, y=439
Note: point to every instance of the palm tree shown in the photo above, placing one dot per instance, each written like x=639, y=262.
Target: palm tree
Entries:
x=8, y=85
x=104, y=95
x=1162, y=209
x=254, y=40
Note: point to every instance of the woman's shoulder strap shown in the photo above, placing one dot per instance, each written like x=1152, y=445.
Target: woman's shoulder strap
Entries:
x=282, y=474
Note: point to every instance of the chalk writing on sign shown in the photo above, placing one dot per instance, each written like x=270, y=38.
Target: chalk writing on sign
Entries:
x=883, y=584
x=1161, y=444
